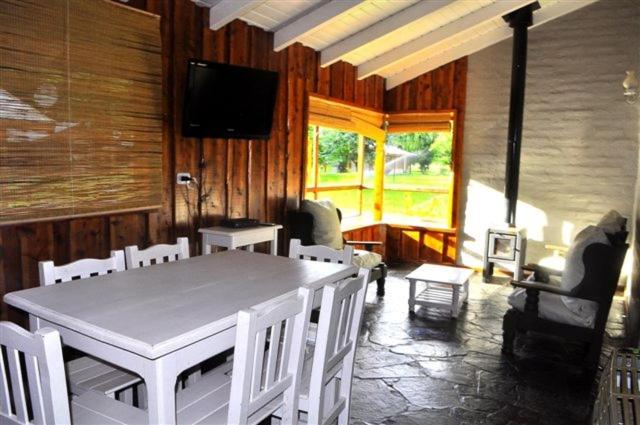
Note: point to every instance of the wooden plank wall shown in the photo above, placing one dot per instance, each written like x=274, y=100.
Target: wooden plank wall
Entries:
x=442, y=88
x=411, y=244
x=261, y=179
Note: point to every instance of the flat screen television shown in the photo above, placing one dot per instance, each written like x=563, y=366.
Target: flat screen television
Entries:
x=228, y=101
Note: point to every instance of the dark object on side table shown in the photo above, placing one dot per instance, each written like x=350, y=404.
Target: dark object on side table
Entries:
x=602, y=265
x=301, y=227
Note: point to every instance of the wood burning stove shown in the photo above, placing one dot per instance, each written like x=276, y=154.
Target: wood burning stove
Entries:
x=507, y=247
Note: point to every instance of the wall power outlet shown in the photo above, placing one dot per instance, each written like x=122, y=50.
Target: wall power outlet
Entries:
x=183, y=178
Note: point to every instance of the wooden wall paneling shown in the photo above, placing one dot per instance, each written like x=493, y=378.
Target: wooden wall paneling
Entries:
x=410, y=245
x=324, y=77
x=128, y=229
x=62, y=242
x=423, y=91
x=160, y=223
x=349, y=78
x=187, y=38
x=11, y=271
x=296, y=117
x=337, y=80
x=257, y=148
x=238, y=149
x=443, y=87
x=459, y=99
x=89, y=237
x=431, y=246
x=276, y=146
x=36, y=244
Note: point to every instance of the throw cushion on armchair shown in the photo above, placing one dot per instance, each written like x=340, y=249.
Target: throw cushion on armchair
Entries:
x=326, y=231
x=326, y=228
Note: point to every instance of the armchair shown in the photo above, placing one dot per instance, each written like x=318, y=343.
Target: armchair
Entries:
x=543, y=307
x=301, y=225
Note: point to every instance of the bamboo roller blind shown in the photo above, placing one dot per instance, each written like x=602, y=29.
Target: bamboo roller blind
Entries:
x=80, y=109
x=437, y=121
x=328, y=113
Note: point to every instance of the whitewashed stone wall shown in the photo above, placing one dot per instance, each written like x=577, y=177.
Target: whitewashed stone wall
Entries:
x=580, y=140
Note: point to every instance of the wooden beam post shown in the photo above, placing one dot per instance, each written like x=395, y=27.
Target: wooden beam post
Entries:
x=316, y=161
x=360, y=167
x=378, y=187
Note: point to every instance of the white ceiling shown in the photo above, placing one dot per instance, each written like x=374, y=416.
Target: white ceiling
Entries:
x=396, y=39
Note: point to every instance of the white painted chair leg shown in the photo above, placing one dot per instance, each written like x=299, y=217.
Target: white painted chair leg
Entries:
x=194, y=377
x=126, y=396
x=142, y=396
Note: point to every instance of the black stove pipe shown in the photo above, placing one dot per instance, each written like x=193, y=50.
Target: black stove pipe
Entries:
x=520, y=20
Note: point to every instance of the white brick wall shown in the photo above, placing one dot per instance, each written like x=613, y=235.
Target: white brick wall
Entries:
x=580, y=140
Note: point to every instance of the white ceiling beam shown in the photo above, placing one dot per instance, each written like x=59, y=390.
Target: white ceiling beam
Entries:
x=540, y=17
x=312, y=20
x=226, y=11
x=393, y=23
x=418, y=46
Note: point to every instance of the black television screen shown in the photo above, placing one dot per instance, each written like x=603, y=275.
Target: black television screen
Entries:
x=228, y=101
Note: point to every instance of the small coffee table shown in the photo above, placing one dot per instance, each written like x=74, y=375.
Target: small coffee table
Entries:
x=447, y=287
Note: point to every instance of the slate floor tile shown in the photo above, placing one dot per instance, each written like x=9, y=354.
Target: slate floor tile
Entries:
x=440, y=371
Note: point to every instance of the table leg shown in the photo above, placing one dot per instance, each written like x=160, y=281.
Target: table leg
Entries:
x=455, y=302
x=34, y=323
x=250, y=248
x=412, y=296
x=274, y=243
x=160, y=380
x=206, y=248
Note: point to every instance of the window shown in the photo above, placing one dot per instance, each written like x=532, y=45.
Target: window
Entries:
x=340, y=167
x=418, y=177
x=403, y=174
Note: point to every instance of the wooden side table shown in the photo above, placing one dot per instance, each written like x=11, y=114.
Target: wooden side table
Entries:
x=447, y=287
x=230, y=238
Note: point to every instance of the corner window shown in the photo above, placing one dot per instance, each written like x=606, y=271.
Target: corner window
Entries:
x=398, y=168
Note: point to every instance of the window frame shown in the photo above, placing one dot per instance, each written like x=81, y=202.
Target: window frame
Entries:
x=339, y=115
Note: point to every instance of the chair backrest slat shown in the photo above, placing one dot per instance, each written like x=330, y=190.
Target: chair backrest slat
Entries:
x=17, y=384
x=5, y=396
x=334, y=354
x=156, y=254
x=35, y=389
x=258, y=390
x=51, y=274
x=45, y=383
x=320, y=253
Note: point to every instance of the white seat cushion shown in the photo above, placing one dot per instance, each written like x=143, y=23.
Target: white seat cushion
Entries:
x=366, y=259
x=552, y=307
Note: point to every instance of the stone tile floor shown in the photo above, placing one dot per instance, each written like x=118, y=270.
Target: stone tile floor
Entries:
x=441, y=371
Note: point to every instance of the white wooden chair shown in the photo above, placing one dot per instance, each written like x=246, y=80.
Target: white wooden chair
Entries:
x=42, y=397
x=326, y=394
x=268, y=360
x=87, y=373
x=156, y=254
x=320, y=253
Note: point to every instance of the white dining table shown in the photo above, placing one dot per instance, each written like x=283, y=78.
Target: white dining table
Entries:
x=158, y=321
